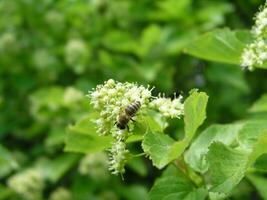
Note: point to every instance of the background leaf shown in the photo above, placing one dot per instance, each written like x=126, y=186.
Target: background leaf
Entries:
x=7, y=162
x=260, y=184
x=260, y=105
x=196, y=155
x=221, y=45
x=173, y=184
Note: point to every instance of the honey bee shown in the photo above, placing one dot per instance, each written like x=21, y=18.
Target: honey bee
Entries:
x=126, y=116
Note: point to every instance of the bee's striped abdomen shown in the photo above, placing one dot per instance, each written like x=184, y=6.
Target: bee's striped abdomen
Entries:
x=129, y=112
x=132, y=108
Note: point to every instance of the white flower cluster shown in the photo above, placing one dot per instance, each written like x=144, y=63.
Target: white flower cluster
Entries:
x=29, y=184
x=8, y=42
x=76, y=54
x=72, y=95
x=256, y=52
x=60, y=194
x=167, y=107
x=110, y=101
x=118, y=157
x=95, y=165
x=260, y=28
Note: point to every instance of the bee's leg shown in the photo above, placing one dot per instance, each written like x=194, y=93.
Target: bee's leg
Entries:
x=127, y=128
x=132, y=120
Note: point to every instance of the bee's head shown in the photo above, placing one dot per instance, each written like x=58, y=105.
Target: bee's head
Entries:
x=121, y=126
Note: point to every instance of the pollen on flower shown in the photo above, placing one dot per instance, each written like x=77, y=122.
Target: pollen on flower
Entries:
x=118, y=157
x=167, y=107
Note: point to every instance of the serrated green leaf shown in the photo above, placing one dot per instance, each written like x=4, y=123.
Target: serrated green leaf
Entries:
x=155, y=121
x=243, y=134
x=250, y=133
x=227, y=167
x=194, y=113
x=174, y=185
x=260, y=105
x=259, y=148
x=221, y=45
x=161, y=148
x=260, y=184
x=196, y=155
x=157, y=145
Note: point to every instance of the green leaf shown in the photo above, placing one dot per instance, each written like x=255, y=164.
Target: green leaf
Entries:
x=138, y=165
x=54, y=169
x=83, y=138
x=157, y=145
x=261, y=162
x=251, y=132
x=127, y=191
x=243, y=134
x=260, y=184
x=194, y=112
x=259, y=148
x=196, y=155
x=155, y=121
x=161, y=148
x=173, y=184
x=150, y=37
x=7, y=162
x=260, y=105
x=5, y=192
x=120, y=41
x=221, y=45
x=227, y=167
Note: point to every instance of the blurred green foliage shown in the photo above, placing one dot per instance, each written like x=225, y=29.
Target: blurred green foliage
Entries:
x=53, y=52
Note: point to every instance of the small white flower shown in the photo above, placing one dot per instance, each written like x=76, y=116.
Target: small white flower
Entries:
x=72, y=95
x=167, y=107
x=61, y=194
x=118, y=157
x=28, y=184
x=248, y=58
x=255, y=53
x=76, y=54
x=95, y=165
